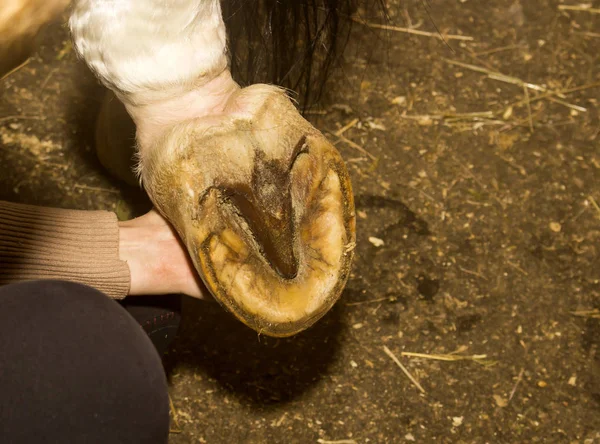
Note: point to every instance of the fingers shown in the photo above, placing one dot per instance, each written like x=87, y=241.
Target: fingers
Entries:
x=158, y=262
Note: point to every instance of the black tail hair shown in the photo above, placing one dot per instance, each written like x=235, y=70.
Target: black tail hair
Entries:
x=290, y=43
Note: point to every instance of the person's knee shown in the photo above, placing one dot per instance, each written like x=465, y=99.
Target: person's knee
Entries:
x=71, y=346
x=52, y=295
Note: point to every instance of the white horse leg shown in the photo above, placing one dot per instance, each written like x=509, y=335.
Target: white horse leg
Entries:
x=260, y=198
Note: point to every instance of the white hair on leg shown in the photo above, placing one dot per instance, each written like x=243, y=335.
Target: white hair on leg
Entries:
x=151, y=49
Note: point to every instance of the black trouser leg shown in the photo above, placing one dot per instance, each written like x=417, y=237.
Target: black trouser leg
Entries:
x=75, y=367
x=159, y=316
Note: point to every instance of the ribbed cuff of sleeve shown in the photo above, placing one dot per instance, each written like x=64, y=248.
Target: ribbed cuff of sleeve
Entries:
x=71, y=245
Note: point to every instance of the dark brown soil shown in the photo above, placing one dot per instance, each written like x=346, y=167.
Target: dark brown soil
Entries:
x=479, y=234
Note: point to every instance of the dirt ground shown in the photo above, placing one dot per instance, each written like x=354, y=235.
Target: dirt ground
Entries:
x=478, y=244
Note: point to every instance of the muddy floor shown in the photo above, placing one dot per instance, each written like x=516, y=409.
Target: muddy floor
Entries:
x=476, y=168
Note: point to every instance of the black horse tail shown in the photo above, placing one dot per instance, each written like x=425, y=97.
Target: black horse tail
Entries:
x=291, y=43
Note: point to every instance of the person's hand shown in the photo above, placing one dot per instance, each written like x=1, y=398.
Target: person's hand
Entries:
x=158, y=261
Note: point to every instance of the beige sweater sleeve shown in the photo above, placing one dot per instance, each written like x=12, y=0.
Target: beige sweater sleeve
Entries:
x=72, y=245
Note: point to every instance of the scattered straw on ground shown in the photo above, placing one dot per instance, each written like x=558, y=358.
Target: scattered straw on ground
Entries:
x=581, y=8
x=174, y=416
x=413, y=31
x=453, y=357
x=595, y=205
x=593, y=313
x=341, y=441
x=29, y=142
x=403, y=368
